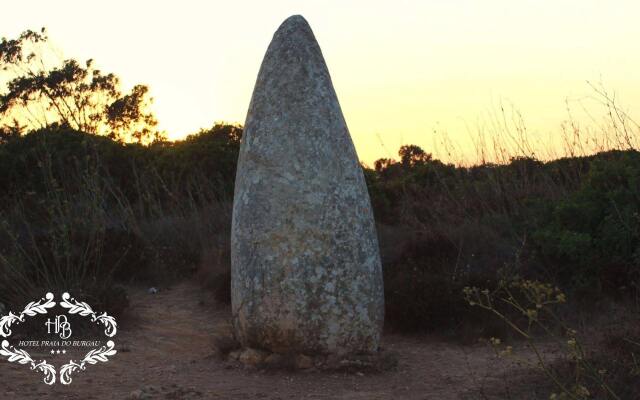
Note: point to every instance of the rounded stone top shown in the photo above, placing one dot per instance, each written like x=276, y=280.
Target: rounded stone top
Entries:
x=294, y=21
x=295, y=24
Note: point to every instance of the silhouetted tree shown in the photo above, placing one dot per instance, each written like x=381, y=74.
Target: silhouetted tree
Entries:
x=8, y=132
x=382, y=164
x=412, y=155
x=68, y=94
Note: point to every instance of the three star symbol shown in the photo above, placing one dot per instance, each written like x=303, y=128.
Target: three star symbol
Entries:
x=58, y=351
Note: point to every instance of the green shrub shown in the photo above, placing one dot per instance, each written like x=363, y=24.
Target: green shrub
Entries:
x=81, y=213
x=592, y=236
x=58, y=240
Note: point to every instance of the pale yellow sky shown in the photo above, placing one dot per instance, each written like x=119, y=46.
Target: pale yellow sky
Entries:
x=402, y=69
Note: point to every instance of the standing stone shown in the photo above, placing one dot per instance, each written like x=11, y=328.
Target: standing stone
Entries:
x=306, y=273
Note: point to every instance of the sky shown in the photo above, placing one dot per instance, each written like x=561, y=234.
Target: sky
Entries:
x=406, y=72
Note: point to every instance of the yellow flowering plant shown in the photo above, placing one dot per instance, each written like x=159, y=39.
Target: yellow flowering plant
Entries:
x=536, y=302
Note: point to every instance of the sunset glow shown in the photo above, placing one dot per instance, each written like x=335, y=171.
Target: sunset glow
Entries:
x=405, y=71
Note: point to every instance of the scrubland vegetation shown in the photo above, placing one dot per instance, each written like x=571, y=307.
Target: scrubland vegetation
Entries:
x=89, y=214
x=519, y=249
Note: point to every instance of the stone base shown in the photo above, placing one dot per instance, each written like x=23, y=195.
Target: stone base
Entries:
x=354, y=363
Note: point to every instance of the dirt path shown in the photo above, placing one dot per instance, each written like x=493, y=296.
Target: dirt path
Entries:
x=166, y=352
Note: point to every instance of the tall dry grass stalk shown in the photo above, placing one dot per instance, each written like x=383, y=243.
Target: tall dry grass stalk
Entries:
x=55, y=240
x=594, y=124
x=83, y=232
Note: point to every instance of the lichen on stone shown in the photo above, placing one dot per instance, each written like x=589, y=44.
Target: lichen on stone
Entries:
x=306, y=272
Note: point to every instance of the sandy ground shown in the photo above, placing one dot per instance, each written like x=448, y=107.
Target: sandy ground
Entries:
x=166, y=352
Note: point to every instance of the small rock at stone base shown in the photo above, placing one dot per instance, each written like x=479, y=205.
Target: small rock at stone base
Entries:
x=304, y=362
x=235, y=355
x=252, y=357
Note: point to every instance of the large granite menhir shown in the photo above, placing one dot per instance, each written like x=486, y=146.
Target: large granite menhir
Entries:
x=306, y=273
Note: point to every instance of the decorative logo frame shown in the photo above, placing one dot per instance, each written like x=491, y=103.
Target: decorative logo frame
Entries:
x=41, y=307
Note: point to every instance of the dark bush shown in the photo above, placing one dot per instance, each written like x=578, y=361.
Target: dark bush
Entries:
x=165, y=208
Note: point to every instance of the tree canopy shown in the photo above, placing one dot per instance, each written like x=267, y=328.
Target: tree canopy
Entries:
x=41, y=91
